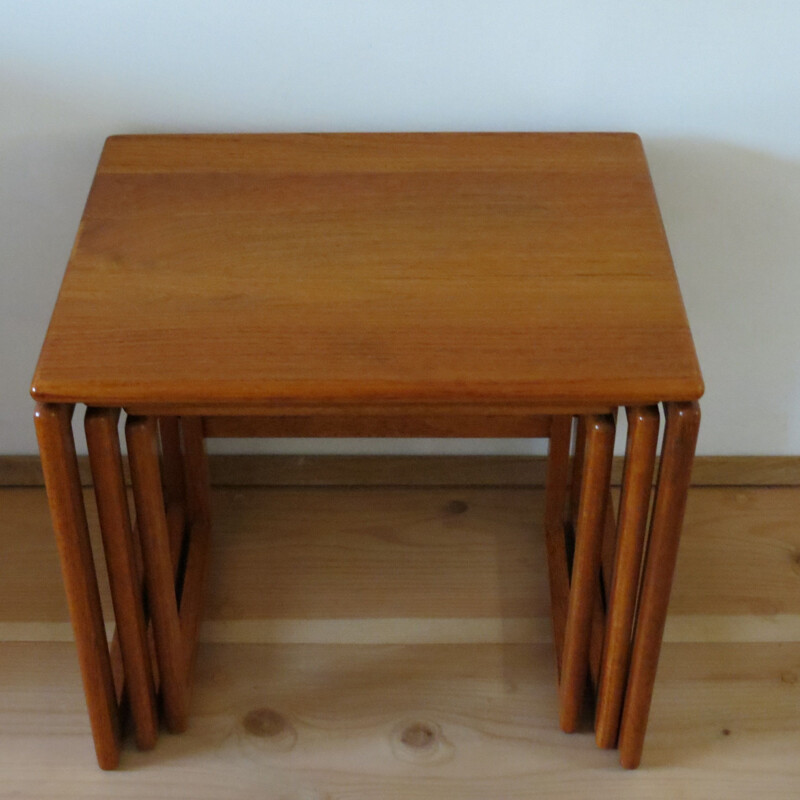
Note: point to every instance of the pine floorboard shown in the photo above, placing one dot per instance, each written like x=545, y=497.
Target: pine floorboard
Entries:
x=393, y=642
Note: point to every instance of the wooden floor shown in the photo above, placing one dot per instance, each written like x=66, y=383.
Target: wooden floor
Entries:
x=381, y=642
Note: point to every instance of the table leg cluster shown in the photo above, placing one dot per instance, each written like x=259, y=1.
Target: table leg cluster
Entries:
x=156, y=567
x=606, y=628
x=610, y=582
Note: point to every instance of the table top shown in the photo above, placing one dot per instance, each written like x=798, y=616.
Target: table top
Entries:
x=221, y=271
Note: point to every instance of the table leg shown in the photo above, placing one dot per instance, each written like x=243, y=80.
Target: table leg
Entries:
x=60, y=467
x=124, y=577
x=172, y=468
x=169, y=429
x=634, y=507
x=602, y=585
x=143, y=456
x=554, y=527
x=680, y=437
x=577, y=475
x=591, y=519
x=198, y=513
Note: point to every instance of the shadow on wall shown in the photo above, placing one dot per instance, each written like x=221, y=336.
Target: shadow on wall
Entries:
x=733, y=220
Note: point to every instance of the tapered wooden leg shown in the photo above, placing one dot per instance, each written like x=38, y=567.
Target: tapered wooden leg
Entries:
x=174, y=483
x=609, y=546
x=577, y=470
x=634, y=507
x=60, y=467
x=680, y=437
x=198, y=512
x=124, y=578
x=602, y=587
x=198, y=499
x=172, y=460
x=143, y=457
x=586, y=566
x=554, y=520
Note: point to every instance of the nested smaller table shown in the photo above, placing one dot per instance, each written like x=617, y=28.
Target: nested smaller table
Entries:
x=513, y=285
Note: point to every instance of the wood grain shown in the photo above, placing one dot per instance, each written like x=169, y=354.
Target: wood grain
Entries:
x=584, y=577
x=623, y=587
x=57, y=446
x=391, y=426
x=159, y=570
x=456, y=552
x=459, y=722
x=126, y=574
x=487, y=269
x=386, y=563
x=555, y=520
x=666, y=523
x=198, y=512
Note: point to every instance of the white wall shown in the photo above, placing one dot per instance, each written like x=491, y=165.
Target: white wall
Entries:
x=713, y=86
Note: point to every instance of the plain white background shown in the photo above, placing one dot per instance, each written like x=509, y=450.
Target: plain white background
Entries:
x=713, y=86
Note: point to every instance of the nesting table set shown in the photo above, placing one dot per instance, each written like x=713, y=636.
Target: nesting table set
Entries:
x=436, y=285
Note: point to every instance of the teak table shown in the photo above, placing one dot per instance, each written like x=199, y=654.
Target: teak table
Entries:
x=504, y=285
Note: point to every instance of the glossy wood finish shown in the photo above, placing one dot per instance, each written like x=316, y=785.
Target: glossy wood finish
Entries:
x=579, y=453
x=124, y=578
x=508, y=269
x=172, y=461
x=585, y=566
x=141, y=435
x=554, y=527
x=59, y=464
x=680, y=436
x=174, y=483
x=596, y=637
x=173, y=479
x=634, y=505
x=198, y=510
x=373, y=285
x=608, y=554
x=383, y=425
x=465, y=410
x=198, y=499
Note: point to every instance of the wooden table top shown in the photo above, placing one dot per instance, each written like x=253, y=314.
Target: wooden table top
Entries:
x=222, y=271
